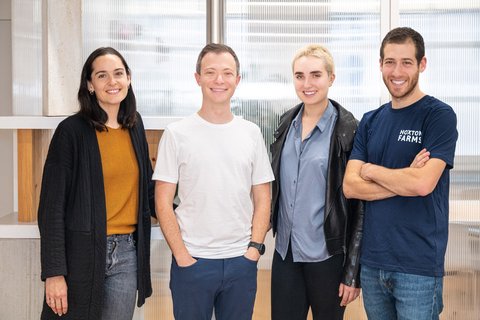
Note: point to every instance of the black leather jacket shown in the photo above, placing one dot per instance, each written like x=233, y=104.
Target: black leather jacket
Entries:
x=343, y=218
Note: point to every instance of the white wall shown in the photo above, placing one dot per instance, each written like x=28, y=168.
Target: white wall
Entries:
x=6, y=136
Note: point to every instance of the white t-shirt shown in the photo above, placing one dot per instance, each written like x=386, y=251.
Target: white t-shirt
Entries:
x=215, y=166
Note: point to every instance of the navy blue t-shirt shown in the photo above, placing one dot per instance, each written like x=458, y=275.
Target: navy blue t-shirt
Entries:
x=407, y=234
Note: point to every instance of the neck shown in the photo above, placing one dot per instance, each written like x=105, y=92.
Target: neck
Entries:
x=402, y=102
x=217, y=114
x=314, y=111
x=112, y=115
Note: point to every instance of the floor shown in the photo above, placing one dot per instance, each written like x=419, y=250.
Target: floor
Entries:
x=461, y=298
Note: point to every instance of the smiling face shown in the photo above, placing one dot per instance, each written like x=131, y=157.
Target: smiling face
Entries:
x=110, y=81
x=401, y=71
x=312, y=80
x=218, y=78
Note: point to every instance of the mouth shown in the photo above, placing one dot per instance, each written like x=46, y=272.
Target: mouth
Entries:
x=113, y=91
x=218, y=89
x=398, y=82
x=309, y=93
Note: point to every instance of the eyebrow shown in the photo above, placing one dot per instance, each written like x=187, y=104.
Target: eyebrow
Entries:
x=311, y=72
x=104, y=71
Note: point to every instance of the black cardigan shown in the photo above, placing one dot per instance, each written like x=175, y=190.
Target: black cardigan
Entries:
x=72, y=217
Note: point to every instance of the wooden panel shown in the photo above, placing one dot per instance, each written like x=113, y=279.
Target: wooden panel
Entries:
x=32, y=152
x=153, y=138
x=25, y=176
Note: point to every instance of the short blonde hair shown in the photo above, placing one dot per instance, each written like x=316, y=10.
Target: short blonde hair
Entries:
x=318, y=51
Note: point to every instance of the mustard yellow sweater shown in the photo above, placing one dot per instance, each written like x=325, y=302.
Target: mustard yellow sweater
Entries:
x=120, y=178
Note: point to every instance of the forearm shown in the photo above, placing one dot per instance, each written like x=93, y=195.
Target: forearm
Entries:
x=171, y=231
x=355, y=187
x=261, y=213
x=164, y=194
x=408, y=181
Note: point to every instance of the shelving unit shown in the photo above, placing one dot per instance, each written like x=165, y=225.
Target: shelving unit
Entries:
x=33, y=138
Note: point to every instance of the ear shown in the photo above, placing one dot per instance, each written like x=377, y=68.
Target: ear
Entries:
x=332, y=79
x=423, y=64
x=237, y=81
x=380, y=63
x=89, y=86
x=197, y=78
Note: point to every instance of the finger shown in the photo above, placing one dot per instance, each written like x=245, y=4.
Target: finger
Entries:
x=58, y=306
x=340, y=290
x=64, y=305
x=344, y=299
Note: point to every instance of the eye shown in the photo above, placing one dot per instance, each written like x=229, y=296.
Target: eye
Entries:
x=119, y=73
x=298, y=77
x=101, y=76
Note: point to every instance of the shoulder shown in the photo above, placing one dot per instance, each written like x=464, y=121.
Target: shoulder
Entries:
x=182, y=124
x=73, y=124
x=373, y=115
x=290, y=113
x=345, y=117
x=247, y=128
x=432, y=104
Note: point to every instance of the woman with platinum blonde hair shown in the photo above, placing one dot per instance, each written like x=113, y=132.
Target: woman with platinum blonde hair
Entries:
x=318, y=231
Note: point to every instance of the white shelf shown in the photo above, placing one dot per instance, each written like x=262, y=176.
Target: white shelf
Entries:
x=39, y=122
x=10, y=228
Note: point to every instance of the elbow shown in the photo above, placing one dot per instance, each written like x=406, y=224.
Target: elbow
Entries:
x=348, y=190
x=424, y=190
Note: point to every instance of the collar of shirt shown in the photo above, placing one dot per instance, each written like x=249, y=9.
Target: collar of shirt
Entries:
x=322, y=122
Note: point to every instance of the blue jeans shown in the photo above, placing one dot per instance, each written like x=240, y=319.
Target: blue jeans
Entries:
x=394, y=295
x=120, y=278
x=229, y=285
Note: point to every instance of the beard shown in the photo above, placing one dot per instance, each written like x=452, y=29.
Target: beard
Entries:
x=404, y=92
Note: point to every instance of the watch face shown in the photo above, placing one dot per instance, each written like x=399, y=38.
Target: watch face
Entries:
x=261, y=249
x=259, y=246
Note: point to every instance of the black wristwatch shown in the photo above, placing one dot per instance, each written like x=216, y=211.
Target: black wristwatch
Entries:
x=259, y=246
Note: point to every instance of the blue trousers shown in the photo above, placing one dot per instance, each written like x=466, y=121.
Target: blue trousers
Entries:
x=226, y=285
x=400, y=296
x=120, y=278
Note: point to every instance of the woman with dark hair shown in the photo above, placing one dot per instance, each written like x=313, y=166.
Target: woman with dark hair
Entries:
x=96, y=201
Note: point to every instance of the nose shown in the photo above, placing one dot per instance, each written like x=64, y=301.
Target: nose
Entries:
x=306, y=82
x=219, y=78
x=111, y=80
x=397, y=68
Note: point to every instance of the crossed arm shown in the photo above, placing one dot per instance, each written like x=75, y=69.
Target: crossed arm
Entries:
x=367, y=181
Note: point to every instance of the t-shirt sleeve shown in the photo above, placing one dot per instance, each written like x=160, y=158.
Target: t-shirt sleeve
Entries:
x=441, y=135
x=166, y=168
x=359, y=150
x=262, y=170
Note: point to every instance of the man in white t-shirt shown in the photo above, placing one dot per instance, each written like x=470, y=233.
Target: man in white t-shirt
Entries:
x=221, y=167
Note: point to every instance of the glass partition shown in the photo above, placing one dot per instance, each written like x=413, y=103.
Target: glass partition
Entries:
x=266, y=36
x=160, y=40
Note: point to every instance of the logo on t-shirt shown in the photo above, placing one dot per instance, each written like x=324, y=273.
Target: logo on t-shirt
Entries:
x=406, y=135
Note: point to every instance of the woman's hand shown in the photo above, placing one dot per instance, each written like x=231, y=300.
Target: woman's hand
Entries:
x=348, y=294
x=56, y=294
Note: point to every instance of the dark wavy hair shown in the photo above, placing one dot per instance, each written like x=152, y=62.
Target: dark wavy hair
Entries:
x=89, y=107
x=401, y=35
